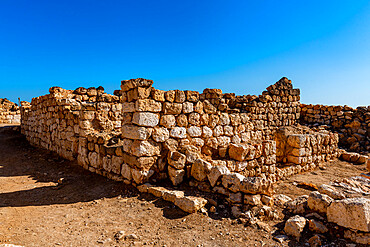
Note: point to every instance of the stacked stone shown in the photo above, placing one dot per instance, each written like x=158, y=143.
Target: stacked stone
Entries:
x=301, y=149
x=58, y=121
x=9, y=112
x=218, y=142
x=352, y=125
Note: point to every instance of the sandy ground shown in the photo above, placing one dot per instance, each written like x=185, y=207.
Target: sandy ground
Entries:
x=88, y=209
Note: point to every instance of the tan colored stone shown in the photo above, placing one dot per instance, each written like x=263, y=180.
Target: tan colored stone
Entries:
x=148, y=105
x=319, y=202
x=190, y=204
x=176, y=176
x=144, y=148
x=135, y=132
x=147, y=119
x=216, y=172
x=200, y=169
x=168, y=121
x=294, y=226
x=176, y=159
x=178, y=132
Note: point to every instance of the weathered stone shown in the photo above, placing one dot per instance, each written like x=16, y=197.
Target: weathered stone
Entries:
x=176, y=159
x=254, y=200
x=135, y=132
x=194, y=131
x=172, y=195
x=160, y=134
x=298, y=205
x=141, y=176
x=318, y=202
x=147, y=105
x=144, y=148
x=232, y=181
x=126, y=172
x=178, y=132
x=315, y=241
x=358, y=237
x=216, y=172
x=168, y=121
x=200, y=169
x=238, y=151
x=352, y=213
x=187, y=107
x=156, y=191
x=331, y=191
x=256, y=185
x=145, y=119
x=128, y=107
x=294, y=226
x=172, y=108
x=296, y=140
x=281, y=200
x=190, y=204
x=317, y=226
x=176, y=176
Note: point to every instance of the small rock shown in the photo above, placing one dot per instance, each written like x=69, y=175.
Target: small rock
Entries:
x=131, y=237
x=331, y=191
x=298, y=205
x=294, y=226
x=119, y=235
x=281, y=238
x=315, y=241
x=317, y=226
x=280, y=200
x=212, y=209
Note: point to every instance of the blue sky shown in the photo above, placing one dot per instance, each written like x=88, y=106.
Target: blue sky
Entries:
x=238, y=46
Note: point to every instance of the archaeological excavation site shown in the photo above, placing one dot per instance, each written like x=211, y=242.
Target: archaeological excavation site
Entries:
x=263, y=163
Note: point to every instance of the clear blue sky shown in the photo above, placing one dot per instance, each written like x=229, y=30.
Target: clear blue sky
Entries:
x=238, y=46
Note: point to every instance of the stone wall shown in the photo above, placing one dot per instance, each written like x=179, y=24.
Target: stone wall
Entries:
x=227, y=144
x=62, y=119
x=352, y=125
x=9, y=112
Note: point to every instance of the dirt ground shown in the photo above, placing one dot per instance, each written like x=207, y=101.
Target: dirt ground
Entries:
x=88, y=209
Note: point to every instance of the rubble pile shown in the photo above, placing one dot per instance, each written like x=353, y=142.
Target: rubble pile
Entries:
x=9, y=112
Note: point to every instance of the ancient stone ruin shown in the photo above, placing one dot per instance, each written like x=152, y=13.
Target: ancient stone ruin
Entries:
x=235, y=146
x=9, y=112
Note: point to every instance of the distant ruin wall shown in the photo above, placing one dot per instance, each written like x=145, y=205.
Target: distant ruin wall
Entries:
x=352, y=125
x=9, y=112
x=232, y=145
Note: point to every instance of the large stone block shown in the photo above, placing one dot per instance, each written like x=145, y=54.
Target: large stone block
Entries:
x=352, y=213
x=145, y=119
x=135, y=132
x=144, y=148
x=200, y=169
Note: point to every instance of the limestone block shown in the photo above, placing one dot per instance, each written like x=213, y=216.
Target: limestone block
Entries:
x=238, y=151
x=207, y=132
x=194, y=131
x=126, y=172
x=232, y=181
x=224, y=119
x=254, y=200
x=192, y=96
x=172, y=108
x=160, y=134
x=294, y=226
x=156, y=191
x=178, y=132
x=190, y=204
x=216, y=172
x=145, y=119
x=128, y=107
x=256, y=185
x=296, y=140
x=182, y=120
x=187, y=107
x=158, y=95
x=352, y=213
x=144, y=148
x=176, y=176
x=148, y=105
x=218, y=131
x=172, y=195
x=136, y=132
x=176, y=159
x=140, y=176
x=116, y=164
x=319, y=202
x=168, y=121
x=194, y=118
x=200, y=169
